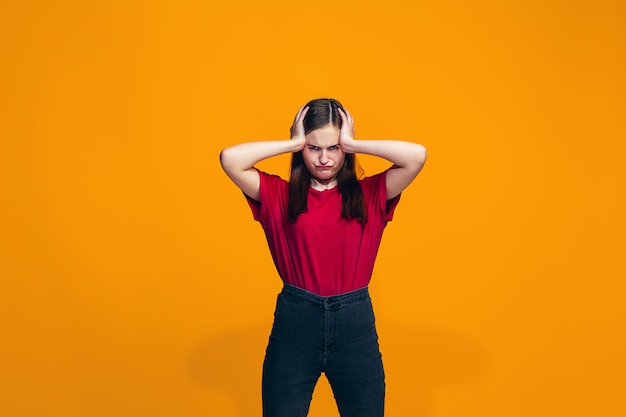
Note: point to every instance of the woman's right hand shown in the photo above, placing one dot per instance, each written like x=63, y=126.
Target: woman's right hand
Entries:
x=297, y=129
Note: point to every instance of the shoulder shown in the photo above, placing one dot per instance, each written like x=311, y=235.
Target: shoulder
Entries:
x=271, y=178
x=273, y=191
x=375, y=194
x=373, y=182
x=271, y=185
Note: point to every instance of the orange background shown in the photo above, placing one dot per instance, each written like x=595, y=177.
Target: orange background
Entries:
x=135, y=282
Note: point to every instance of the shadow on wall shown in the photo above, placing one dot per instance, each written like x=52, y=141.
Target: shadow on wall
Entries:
x=417, y=363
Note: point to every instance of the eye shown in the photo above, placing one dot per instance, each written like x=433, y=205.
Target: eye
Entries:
x=314, y=148
x=333, y=148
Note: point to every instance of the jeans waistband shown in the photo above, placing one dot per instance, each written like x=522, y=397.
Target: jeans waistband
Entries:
x=335, y=301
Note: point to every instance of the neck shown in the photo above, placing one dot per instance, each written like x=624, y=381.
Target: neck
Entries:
x=321, y=186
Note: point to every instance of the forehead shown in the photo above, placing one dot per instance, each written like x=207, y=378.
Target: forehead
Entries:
x=324, y=136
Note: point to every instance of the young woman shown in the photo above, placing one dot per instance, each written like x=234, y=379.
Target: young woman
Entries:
x=323, y=228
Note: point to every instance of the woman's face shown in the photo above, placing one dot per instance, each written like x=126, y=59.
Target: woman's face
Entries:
x=322, y=154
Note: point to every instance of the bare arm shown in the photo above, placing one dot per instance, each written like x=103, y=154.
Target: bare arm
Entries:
x=238, y=161
x=408, y=158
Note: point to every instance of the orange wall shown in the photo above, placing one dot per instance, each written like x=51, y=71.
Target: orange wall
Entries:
x=135, y=282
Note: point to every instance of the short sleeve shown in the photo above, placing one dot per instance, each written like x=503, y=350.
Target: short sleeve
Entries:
x=255, y=206
x=271, y=195
x=375, y=192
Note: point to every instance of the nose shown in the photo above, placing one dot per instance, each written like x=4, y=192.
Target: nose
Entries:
x=323, y=157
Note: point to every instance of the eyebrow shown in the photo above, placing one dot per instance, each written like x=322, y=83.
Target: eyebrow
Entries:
x=318, y=146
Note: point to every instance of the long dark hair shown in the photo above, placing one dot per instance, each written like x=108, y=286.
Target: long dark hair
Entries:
x=323, y=112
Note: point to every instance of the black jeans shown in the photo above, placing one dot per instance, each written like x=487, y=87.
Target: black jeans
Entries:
x=314, y=334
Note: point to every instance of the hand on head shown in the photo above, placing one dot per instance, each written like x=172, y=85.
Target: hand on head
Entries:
x=297, y=129
x=346, y=135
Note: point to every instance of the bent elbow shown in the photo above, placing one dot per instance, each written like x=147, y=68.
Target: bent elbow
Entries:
x=422, y=153
x=225, y=159
x=419, y=157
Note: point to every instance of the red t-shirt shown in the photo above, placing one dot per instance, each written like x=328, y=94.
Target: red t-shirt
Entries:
x=322, y=252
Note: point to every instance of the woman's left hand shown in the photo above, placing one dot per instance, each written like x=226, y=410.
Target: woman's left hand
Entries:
x=346, y=135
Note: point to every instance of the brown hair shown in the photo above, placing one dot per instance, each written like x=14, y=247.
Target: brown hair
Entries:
x=323, y=112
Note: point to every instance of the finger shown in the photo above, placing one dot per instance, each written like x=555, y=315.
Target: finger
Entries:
x=303, y=112
x=344, y=118
x=347, y=120
x=295, y=119
x=300, y=116
x=349, y=115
